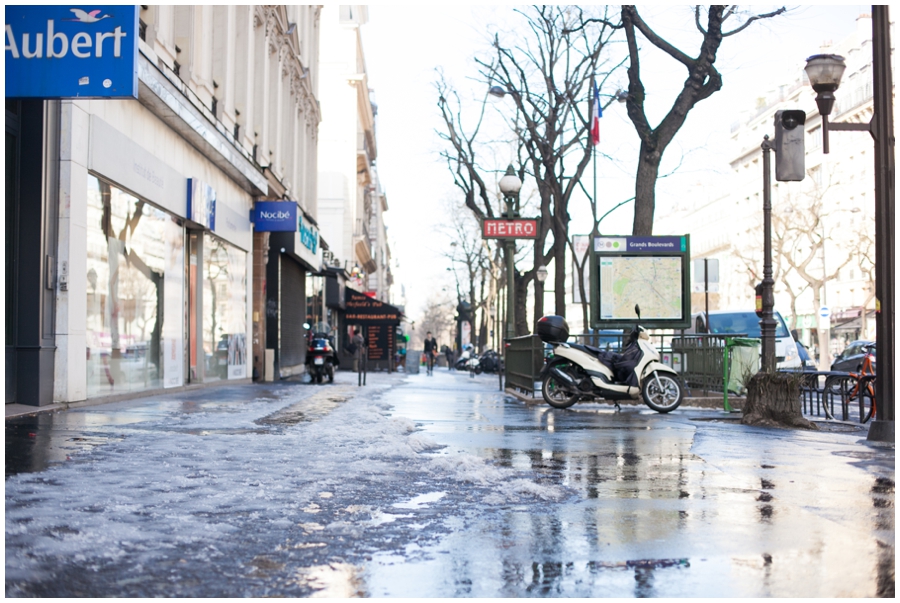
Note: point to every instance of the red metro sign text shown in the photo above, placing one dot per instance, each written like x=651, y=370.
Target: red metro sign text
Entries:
x=509, y=229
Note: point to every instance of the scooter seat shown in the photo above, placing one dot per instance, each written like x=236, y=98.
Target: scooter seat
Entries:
x=587, y=348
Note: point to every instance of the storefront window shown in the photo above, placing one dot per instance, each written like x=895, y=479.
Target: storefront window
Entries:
x=127, y=245
x=224, y=309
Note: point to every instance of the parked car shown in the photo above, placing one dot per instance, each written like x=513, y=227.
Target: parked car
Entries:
x=806, y=362
x=726, y=322
x=851, y=359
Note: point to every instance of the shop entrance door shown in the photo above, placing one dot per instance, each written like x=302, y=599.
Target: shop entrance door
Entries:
x=12, y=201
x=193, y=274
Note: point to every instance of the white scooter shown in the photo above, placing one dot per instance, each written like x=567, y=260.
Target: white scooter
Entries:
x=582, y=372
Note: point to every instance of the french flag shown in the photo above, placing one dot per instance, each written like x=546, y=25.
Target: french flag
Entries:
x=597, y=114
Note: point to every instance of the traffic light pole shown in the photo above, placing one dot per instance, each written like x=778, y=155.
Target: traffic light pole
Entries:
x=767, y=324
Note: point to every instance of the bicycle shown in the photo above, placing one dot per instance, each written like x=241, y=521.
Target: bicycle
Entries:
x=864, y=387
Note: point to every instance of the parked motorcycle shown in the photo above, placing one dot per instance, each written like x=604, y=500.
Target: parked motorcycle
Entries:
x=321, y=358
x=488, y=362
x=583, y=372
x=462, y=363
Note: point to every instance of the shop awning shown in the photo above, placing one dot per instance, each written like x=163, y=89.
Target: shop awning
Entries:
x=364, y=310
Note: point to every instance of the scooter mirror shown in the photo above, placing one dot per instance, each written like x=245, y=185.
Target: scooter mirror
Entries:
x=637, y=310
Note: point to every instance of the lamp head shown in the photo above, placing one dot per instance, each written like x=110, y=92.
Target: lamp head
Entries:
x=510, y=185
x=497, y=91
x=541, y=274
x=824, y=72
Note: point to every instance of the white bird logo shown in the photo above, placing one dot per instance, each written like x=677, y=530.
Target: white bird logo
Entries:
x=85, y=17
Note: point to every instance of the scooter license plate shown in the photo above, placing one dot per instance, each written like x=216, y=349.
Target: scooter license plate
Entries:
x=318, y=360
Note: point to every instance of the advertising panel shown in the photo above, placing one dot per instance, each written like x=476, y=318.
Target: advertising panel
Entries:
x=71, y=52
x=652, y=272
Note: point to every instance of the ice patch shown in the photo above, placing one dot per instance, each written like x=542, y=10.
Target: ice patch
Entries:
x=421, y=501
x=380, y=518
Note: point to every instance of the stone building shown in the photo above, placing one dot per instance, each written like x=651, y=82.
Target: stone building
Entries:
x=148, y=273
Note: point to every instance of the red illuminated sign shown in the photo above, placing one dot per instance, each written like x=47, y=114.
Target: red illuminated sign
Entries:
x=509, y=229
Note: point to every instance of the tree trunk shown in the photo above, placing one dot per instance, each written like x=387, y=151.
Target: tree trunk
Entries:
x=645, y=190
x=521, y=311
x=559, y=272
x=773, y=400
x=538, y=300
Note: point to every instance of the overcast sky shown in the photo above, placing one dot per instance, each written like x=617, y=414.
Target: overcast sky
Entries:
x=405, y=45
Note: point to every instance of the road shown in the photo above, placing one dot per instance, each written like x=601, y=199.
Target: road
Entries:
x=418, y=486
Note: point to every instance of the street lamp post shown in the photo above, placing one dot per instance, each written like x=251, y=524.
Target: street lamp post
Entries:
x=767, y=324
x=824, y=72
x=510, y=185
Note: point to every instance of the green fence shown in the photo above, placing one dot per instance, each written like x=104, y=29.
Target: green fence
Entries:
x=524, y=362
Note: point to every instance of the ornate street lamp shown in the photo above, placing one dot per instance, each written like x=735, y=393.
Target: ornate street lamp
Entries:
x=824, y=72
x=510, y=185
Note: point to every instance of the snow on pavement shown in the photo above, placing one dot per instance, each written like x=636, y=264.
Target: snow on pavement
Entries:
x=209, y=492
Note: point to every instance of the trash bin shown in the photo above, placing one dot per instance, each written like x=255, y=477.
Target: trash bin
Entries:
x=744, y=352
x=413, y=359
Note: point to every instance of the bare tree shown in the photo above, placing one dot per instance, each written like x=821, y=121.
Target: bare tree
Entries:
x=437, y=318
x=477, y=263
x=865, y=258
x=548, y=73
x=703, y=81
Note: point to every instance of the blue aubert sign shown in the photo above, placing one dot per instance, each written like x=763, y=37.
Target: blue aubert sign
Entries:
x=71, y=51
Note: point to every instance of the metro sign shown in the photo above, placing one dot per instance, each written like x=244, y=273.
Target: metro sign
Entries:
x=509, y=229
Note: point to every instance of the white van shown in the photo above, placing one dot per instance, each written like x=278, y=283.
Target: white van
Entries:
x=724, y=322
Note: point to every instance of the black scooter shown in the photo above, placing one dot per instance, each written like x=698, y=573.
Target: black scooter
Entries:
x=321, y=358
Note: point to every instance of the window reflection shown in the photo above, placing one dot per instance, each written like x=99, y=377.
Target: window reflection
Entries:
x=125, y=274
x=224, y=309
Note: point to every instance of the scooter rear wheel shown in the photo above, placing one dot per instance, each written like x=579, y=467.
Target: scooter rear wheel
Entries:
x=555, y=395
x=661, y=392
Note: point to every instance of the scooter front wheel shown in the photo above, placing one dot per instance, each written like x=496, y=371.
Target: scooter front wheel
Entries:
x=661, y=392
x=555, y=395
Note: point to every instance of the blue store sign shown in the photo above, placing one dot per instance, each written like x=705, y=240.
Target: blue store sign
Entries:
x=309, y=235
x=274, y=216
x=67, y=52
x=201, y=203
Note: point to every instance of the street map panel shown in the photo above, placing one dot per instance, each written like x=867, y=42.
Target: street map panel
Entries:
x=653, y=282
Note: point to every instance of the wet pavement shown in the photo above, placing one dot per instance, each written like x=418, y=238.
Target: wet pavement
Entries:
x=437, y=486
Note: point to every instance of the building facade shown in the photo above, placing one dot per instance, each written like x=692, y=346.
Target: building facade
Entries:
x=132, y=261
x=351, y=200
x=823, y=227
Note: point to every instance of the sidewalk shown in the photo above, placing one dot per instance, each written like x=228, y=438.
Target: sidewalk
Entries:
x=437, y=486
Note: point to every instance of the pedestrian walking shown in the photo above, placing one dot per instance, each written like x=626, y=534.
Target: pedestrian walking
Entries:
x=358, y=347
x=431, y=350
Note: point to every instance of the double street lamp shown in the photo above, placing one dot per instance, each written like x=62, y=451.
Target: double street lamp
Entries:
x=510, y=185
x=824, y=72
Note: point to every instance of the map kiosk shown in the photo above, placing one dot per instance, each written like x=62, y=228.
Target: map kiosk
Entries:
x=651, y=271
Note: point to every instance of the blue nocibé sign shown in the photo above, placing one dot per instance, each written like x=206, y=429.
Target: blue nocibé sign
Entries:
x=274, y=216
x=71, y=51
